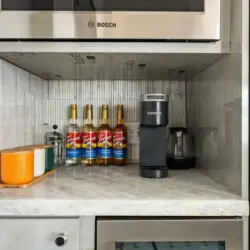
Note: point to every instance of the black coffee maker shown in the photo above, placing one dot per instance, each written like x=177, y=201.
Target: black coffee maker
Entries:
x=153, y=135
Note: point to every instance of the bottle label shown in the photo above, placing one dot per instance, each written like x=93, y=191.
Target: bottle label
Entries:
x=120, y=145
x=73, y=145
x=105, y=144
x=89, y=145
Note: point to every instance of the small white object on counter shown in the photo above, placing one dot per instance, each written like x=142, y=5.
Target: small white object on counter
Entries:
x=39, y=161
x=120, y=191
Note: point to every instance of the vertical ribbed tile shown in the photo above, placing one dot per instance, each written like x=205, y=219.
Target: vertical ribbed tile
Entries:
x=112, y=92
x=21, y=116
x=62, y=89
x=45, y=88
x=36, y=86
x=9, y=102
x=31, y=106
x=29, y=117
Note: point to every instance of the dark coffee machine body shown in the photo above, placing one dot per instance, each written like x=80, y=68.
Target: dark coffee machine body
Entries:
x=153, y=135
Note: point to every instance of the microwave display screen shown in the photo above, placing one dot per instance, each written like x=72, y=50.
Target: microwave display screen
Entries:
x=104, y=5
x=205, y=245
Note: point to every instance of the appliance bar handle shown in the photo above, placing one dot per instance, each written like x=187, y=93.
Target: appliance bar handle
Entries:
x=76, y=4
x=91, y=3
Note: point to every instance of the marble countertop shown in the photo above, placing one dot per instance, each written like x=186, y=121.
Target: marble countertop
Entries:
x=120, y=191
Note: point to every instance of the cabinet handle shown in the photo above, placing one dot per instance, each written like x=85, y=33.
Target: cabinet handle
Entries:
x=61, y=240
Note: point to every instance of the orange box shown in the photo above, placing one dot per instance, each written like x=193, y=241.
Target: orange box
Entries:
x=17, y=166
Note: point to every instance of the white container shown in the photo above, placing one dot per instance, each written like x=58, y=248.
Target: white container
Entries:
x=39, y=161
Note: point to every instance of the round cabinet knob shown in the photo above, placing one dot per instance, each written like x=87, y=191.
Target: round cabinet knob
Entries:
x=61, y=240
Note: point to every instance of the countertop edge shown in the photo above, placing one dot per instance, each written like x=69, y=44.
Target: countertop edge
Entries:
x=115, y=207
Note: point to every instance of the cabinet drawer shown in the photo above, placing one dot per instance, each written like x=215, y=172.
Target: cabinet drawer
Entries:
x=39, y=234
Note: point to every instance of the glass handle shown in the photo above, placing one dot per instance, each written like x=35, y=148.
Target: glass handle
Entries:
x=179, y=146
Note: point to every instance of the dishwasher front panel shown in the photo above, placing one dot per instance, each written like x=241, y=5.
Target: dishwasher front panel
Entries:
x=198, y=234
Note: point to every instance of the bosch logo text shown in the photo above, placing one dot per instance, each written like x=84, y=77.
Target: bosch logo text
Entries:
x=91, y=24
x=106, y=25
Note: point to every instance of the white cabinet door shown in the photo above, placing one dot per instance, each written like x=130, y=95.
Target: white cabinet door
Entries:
x=39, y=234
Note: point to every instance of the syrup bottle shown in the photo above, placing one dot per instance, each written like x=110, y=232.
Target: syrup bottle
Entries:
x=73, y=141
x=104, y=139
x=120, y=136
x=89, y=139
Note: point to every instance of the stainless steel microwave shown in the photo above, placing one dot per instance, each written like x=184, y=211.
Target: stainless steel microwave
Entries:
x=174, y=20
x=172, y=234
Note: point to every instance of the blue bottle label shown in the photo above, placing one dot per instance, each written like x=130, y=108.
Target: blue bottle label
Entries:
x=120, y=153
x=89, y=153
x=89, y=145
x=105, y=144
x=120, y=145
x=73, y=153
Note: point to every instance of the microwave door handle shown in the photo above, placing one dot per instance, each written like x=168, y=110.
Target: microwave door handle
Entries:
x=78, y=3
x=92, y=4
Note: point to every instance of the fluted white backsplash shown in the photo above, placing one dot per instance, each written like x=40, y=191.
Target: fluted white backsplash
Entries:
x=126, y=92
x=19, y=90
x=63, y=93
x=30, y=106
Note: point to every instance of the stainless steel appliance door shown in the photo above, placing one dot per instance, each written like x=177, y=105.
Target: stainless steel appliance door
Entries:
x=174, y=25
x=104, y=5
x=110, y=232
